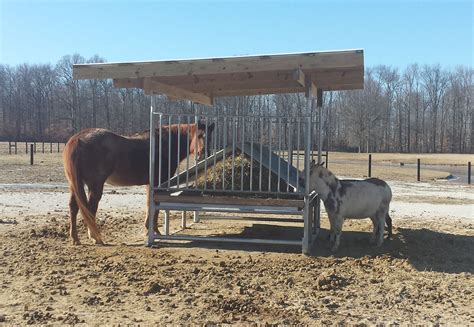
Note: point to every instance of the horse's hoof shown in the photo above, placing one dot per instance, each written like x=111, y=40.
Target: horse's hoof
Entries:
x=99, y=242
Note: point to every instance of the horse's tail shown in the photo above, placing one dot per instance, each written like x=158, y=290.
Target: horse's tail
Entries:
x=71, y=169
x=388, y=222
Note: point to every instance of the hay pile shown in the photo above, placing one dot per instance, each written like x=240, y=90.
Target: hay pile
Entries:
x=215, y=173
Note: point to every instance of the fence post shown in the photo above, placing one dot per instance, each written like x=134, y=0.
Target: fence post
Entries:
x=31, y=153
x=418, y=170
x=370, y=165
x=469, y=172
x=26, y=147
x=50, y=147
x=16, y=148
x=42, y=146
x=35, y=145
x=58, y=147
x=9, y=147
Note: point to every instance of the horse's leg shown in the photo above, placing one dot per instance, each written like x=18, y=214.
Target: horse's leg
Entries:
x=338, y=221
x=74, y=209
x=95, y=194
x=155, y=216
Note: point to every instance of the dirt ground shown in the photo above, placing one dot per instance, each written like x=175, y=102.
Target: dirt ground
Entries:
x=424, y=275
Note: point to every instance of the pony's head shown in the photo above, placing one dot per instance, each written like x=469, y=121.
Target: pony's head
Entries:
x=201, y=137
x=318, y=176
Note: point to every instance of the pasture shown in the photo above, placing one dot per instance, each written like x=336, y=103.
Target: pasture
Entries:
x=423, y=275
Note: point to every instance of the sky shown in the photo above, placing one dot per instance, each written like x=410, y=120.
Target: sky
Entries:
x=394, y=33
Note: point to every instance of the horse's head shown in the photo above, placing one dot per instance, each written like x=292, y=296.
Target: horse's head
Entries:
x=201, y=137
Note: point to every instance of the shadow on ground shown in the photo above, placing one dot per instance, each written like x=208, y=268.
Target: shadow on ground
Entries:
x=426, y=250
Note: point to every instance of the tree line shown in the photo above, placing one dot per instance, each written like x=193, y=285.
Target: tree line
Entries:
x=421, y=108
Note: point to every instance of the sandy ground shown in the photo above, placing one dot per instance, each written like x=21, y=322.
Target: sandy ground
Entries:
x=424, y=275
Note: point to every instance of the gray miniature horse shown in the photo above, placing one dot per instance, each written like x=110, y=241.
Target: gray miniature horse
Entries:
x=352, y=199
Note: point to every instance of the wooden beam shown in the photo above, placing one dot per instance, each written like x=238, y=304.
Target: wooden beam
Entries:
x=153, y=87
x=128, y=83
x=305, y=81
x=306, y=61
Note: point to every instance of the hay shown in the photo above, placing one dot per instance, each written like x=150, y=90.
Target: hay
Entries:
x=215, y=173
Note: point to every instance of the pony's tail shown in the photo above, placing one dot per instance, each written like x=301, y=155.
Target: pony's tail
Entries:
x=71, y=170
x=388, y=222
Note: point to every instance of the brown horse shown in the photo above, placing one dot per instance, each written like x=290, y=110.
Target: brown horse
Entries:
x=95, y=156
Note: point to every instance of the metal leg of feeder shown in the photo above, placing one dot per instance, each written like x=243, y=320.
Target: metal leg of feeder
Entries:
x=167, y=222
x=151, y=206
x=306, y=228
x=196, y=218
x=183, y=219
x=316, y=217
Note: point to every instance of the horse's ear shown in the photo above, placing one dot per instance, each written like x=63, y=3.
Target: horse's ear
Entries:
x=210, y=128
x=322, y=163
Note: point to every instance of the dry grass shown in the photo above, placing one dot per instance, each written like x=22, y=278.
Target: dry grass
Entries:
x=48, y=166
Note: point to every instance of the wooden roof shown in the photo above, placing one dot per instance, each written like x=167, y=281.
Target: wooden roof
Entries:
x=201, y=80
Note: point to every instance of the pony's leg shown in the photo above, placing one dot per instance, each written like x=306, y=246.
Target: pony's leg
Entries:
x=95, y=194
x=388, y=222
x=338, y=222
x=332, y=235
x=375, y=227
x=381, y=226
x=74, y=209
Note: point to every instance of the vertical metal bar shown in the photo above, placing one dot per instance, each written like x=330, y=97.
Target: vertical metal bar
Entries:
x=289, y=148
x=196, y=159
x=169, y=150
x=269, y=154
x=252, y=121
x=418, y=168
x=214, y=170
x=196, y=218
x=160, y=148
x=179, y=151
x=31, y=154
x=320, y=123
x=50, y=147
x=242, y=155
x=188, y=149
x=223, y=155
x=307, y=222
x=370, y=166
x=279, y=153
x=206, y=124
x=151, y=174
x=298, y=145
x=167, y=222
x=183, y=219
x=234, y=130
x=261, y=153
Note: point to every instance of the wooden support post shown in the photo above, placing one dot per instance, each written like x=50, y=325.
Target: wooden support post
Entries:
x=469, y=172
x=16, y=148
x=26, y=147
x=9, y=147
x=35, y=145
x=31, y=154
x=370, y=166
x=418, y=168
x=58, y=147
x=50, y=147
